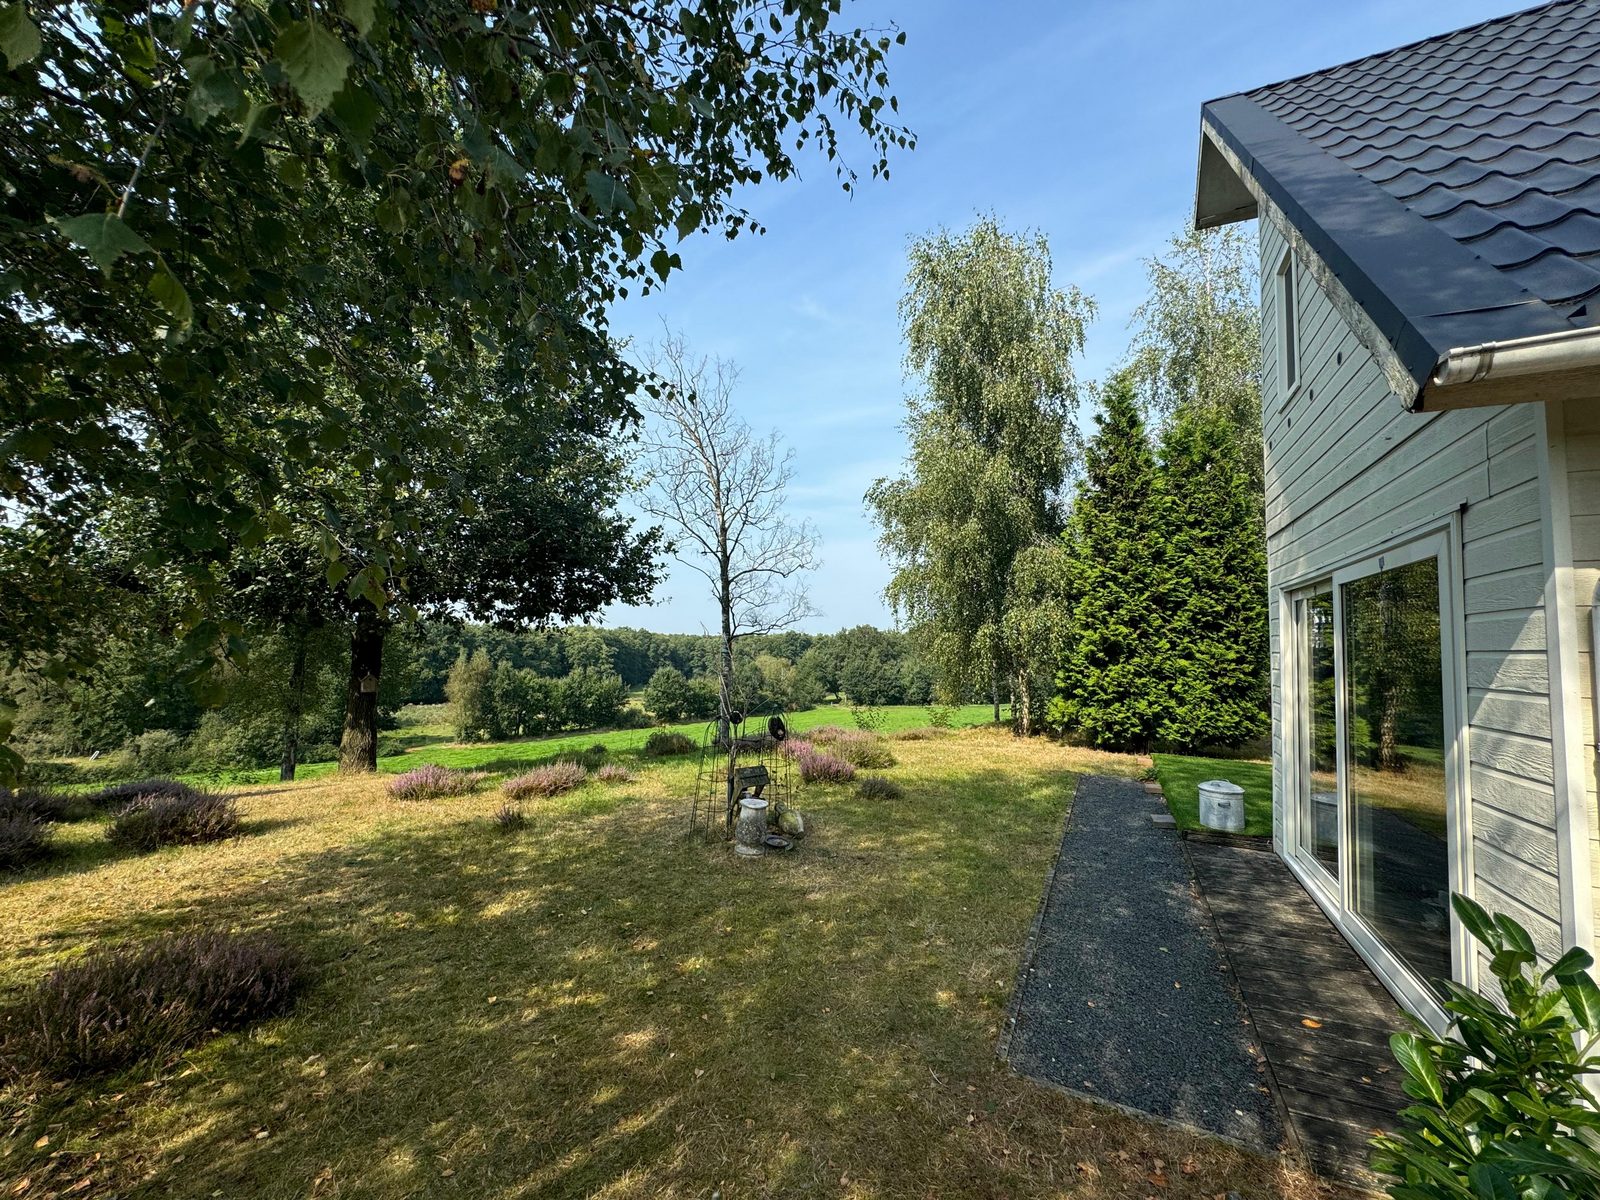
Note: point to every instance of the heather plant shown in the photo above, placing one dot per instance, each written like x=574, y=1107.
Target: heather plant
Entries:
x=36, y=805
x=120, y=795
x=855, y=746
x=878, y=787
x=1504, y=1106
x=665, y=743
x=614, y=773
x=23, y=841
x=550, y=780
x=118, y=1006
x=816, y=765
x=433, y=782
x=174, y=820
x=509, y=818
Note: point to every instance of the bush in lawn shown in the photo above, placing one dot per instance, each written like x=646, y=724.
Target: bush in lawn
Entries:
x=175, y=820
x=509, y=818
x=550, y=780
x=614, y=773
x=941, y=716
x=433, y=782
x=879, y=787
x=816, y=765
x=868, y=717
x=664, y=743
x=35, y=804
x=1502, y=1107
x=116, y=1007
x=23, y=841
x=120, y=795
x=856, y=747
x=161, y=751
x=594, y=757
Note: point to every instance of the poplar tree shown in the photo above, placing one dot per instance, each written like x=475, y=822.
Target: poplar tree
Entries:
x=1112, y=687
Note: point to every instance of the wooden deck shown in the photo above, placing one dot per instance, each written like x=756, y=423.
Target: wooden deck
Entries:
x=1322, y=1017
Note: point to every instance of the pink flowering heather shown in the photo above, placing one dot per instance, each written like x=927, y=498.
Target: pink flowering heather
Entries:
x=818, y=766
x=433, y=783
x=549, y=780
x=614, y=773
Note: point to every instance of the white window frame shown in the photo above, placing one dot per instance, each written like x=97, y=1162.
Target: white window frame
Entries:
x=1337, y=897
x=1286, y=280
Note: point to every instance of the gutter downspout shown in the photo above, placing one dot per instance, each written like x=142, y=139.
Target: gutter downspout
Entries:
x=1565, y=350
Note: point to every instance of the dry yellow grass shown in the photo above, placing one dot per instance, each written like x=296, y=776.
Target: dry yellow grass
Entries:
x=598, y=1007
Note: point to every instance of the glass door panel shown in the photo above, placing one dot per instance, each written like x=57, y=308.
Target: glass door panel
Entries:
x=1398, y=858
x=1317, y=777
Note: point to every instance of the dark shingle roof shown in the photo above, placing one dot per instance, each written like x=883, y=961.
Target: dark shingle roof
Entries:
x=1453, y=185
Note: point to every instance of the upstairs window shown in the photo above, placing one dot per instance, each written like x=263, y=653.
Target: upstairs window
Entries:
x=1288, y=330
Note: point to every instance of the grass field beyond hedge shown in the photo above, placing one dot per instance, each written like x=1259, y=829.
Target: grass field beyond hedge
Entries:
x=600, y=1007
x=432, y=743
x=1180, y=777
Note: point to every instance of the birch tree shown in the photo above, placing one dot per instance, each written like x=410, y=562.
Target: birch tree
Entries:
x=990, y=341
x=720, y=489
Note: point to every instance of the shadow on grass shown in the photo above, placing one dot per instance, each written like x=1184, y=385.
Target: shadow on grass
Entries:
x=599, y=1006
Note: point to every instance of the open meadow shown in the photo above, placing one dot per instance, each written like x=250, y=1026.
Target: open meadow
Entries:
x=597, y=1005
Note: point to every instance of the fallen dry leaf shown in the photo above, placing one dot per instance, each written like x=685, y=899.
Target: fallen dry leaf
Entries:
x=1309, y=1023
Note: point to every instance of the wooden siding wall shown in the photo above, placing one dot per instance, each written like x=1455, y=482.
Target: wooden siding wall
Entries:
x=1581, y=422
x=1348, y=471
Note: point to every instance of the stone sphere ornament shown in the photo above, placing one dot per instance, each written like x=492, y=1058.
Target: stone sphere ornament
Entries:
x=750, y=832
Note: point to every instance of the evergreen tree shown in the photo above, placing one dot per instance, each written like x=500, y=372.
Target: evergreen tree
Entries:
x=1111, y=685
x=1216, y=667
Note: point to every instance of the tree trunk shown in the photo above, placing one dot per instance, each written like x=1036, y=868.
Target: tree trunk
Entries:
x=994, y=694
x=294, y=708
x=1024, y=705
x=358, y=748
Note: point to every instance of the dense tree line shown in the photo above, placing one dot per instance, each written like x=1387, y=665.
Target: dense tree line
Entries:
x=1115, y=590
x=138, y=700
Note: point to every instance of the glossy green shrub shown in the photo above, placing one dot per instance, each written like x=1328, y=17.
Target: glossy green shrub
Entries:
x=1502, y=1108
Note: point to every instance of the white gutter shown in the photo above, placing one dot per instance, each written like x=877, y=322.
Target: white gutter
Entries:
x=1566, y=350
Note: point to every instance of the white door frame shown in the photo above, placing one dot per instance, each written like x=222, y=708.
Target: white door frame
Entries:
x=1336, y=897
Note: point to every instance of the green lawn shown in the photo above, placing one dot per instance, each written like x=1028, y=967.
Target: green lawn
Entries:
x=431, y=741
x=600, y=1007
x=1181, y=776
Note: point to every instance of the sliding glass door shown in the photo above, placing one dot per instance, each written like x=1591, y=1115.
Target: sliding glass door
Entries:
x=1394, y=750
x=1372, y=724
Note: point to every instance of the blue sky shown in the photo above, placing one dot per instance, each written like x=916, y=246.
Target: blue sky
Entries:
x=1079, y=119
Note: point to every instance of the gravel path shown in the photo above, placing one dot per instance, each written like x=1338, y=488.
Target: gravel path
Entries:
x=1125, y=996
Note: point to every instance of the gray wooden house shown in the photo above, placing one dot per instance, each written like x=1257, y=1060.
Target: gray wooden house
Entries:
x=1430, y=261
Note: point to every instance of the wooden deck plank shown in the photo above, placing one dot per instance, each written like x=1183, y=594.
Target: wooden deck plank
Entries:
x=1319, y=1015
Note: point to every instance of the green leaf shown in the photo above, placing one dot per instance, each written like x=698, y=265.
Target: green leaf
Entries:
x=19, y=36
x=1583, y=998
x=608, y=193
x=1411, y=1052
x=336, y=573
x=358, y=112
x=103, y=235
x=172, y=296
x=1490, y=1182
x=1571, y=963
x=252, y=120
x=360, y=13
x=1476, y=919
x=316, y=62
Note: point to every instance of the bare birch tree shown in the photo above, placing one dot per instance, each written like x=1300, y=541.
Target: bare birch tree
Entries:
x=720, y=488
